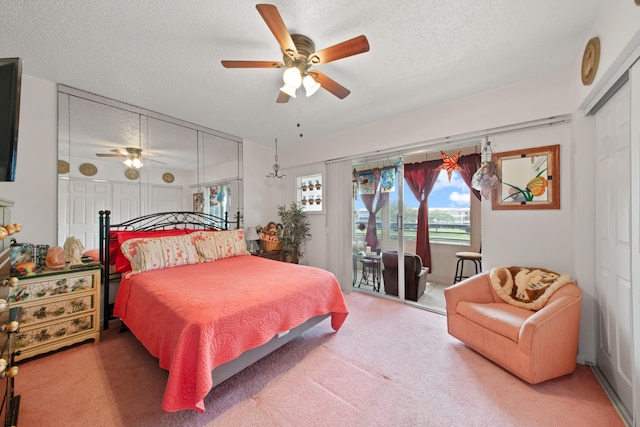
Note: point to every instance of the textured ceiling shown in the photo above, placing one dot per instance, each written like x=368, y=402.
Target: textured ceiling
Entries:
x=164, y=55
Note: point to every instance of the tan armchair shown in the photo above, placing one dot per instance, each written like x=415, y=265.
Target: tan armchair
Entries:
x=415, y=275
x=534, y=345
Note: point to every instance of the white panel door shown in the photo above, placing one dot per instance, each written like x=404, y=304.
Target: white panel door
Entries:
x=126, y=202
x=613, y=244
x=86, y=199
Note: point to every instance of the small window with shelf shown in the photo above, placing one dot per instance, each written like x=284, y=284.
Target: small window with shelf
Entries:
x=309, y=193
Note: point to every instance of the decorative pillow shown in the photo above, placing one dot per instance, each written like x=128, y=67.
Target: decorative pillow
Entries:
x=205, y=245
x=526, y=287
x=230, y=243
x=146, y=254
x=119, y=237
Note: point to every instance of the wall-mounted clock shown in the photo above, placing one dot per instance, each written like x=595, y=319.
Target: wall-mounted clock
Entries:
x=590, y=61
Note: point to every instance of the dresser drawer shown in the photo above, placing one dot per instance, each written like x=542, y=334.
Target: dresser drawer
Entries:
x=27, y=291
x=56, y=309
x=49, y=333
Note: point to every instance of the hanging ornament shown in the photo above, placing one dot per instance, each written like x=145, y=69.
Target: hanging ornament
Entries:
x=487, y=178
x=449, y=163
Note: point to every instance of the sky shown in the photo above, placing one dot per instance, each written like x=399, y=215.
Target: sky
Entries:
x=445, y=194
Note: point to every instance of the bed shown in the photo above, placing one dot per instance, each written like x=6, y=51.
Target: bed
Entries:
x=210, y=309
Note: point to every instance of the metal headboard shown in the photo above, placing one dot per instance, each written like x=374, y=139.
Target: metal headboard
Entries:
x=157, y=221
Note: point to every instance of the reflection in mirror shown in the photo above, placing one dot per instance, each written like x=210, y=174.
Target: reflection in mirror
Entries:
x=167, y=161
x=530, y=179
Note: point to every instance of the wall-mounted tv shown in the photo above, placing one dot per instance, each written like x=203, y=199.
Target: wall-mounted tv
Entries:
x=10, y=84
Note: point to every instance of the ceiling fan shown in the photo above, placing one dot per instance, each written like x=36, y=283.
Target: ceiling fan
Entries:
x=299, y=55
x=132, y=156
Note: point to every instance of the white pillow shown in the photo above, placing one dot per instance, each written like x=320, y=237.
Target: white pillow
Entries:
x=156, y=253
x=213, y=245
x=230, y=243
x=205, y=245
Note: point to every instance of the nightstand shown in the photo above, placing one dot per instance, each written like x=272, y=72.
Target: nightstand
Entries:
x=275, y=255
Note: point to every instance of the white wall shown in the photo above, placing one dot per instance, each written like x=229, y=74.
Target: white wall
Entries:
x=543, y=97
x=262, y=194
x=35, y=189
x=618, y=27
x=316, y=252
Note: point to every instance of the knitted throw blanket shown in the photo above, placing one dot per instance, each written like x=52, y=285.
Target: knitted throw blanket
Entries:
x=526, y=287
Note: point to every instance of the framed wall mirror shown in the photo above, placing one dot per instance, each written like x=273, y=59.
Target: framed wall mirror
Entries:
x=530, y=179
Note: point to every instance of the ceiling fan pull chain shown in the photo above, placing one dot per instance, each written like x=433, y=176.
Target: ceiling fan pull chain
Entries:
x=300, y=119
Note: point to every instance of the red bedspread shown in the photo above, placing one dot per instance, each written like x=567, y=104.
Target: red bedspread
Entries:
x=196, y=317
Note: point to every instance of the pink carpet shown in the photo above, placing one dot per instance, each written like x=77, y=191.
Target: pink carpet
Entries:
x=390, y=364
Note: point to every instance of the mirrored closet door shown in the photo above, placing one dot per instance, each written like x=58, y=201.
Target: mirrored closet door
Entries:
x=131, y=161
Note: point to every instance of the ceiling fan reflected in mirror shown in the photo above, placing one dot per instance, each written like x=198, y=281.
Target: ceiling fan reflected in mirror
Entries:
x=133, y=156
x=299, y=55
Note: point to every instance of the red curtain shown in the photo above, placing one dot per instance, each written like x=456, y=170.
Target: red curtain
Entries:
x=368, y=200
x=469, y=164
x=420, y=178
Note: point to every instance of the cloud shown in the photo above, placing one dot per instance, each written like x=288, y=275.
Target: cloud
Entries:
x=456, y=181
x=460, y=198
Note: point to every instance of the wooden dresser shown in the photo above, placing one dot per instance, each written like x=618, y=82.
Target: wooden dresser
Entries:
x=57, y=308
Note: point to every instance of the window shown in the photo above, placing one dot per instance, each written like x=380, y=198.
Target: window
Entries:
x=449, y=212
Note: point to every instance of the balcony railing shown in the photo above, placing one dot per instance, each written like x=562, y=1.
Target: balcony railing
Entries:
x=439, y=232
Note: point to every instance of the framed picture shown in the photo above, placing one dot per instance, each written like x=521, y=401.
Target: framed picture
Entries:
x=530, y=179
x=388, y=180
x=365, y=183
x=198, y=202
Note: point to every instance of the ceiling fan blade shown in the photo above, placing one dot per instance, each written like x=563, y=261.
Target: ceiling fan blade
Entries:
x=110, y=155
x=347, y=48
x=282, y=97
x=252, y=64
x=331, y=85
x=275, y=23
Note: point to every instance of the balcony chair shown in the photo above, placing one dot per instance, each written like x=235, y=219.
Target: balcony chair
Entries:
x=474, y=257
x=415, y=275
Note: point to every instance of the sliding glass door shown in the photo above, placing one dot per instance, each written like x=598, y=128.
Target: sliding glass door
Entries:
x=377, y=221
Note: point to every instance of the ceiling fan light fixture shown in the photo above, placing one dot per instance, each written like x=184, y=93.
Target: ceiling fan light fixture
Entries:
x=291, y=91
x=292, y=77
x=310, y=85
x=135, y=163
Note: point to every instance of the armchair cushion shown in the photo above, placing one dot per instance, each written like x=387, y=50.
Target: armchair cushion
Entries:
x=502, y=319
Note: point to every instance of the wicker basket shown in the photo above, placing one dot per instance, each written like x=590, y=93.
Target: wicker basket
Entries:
x=271, y=245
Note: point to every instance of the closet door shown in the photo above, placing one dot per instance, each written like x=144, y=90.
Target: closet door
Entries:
x=613, y=244
x=86, y=199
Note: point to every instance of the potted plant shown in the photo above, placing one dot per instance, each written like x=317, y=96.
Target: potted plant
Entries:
x=296, y=229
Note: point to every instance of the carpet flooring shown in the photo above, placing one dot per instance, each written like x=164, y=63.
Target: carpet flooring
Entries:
x=390, y=364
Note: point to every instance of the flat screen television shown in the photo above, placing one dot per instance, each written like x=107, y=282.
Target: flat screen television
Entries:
x=10, y=84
